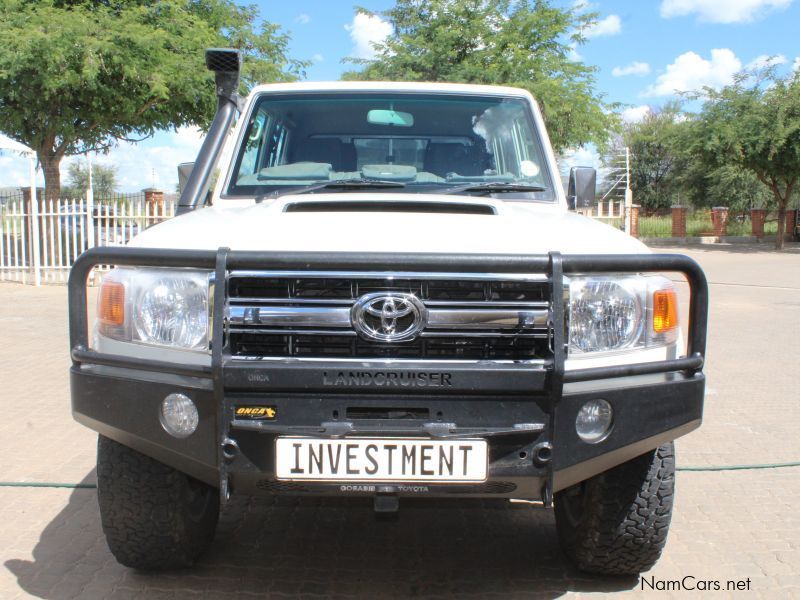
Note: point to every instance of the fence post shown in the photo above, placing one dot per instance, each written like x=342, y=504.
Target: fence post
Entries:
x=629, y=213
x=633, y=220
x=719, y=220
x=31, y=242
x=90, y=214
x=36, y=242
x=679, y=221
x=757, y=217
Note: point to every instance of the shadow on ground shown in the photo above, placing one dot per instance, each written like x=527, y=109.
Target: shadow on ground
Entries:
x=324, y=547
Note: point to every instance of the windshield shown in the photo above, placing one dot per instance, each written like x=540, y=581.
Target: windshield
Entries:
x=420, y=142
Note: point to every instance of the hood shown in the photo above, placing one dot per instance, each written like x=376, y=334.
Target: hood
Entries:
x=369, y=222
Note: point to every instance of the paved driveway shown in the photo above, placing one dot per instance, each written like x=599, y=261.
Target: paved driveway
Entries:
x=728, y=525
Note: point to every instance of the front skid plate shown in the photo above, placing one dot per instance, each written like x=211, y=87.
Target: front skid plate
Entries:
x=649, y=410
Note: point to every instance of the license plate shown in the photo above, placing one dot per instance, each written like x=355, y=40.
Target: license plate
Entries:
x=386, y=459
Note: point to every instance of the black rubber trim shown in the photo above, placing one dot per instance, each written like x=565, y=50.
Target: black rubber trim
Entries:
x=694, y=363
x=82, y=355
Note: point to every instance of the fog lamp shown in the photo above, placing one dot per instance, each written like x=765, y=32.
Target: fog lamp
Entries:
x=594, y=421
x=179, y=415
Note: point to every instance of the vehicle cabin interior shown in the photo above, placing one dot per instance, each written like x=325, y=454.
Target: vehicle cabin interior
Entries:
x=411, y=138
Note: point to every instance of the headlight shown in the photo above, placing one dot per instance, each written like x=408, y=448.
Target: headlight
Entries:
x=160, y=307
x=611, y=313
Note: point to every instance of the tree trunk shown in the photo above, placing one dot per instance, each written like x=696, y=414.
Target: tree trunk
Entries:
x=52, y=174
x=781, y=201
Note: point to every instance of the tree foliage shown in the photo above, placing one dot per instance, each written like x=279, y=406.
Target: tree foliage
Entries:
x=653, y=143
x=671, y=166
x=518, y=43
x=78, y=75
x=104, y=180
x=754, y=125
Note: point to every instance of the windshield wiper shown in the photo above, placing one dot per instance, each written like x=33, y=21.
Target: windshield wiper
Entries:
x=341, y=184
x=494, y=187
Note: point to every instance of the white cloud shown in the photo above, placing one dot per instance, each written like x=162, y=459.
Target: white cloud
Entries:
x=14, y=171
x=573, y=54
x=721, y=11
x=691, y=72
x=587, y=156
x=190, y=137
x=611, y=25
x=765, y=60
x=153, y=162
x=635, y=68
x=796, y=64
x=635, y=114
x=303, y=19
x=317, y=58
x=364, y=31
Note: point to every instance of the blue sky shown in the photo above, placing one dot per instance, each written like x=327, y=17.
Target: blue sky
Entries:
x=644, y=51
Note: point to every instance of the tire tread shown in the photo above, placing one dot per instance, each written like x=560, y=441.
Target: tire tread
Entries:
x=143, y=510
x=626, y=516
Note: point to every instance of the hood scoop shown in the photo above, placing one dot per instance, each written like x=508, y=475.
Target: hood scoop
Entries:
x=397, y=206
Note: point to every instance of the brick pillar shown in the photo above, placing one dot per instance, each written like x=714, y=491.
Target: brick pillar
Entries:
x=635, y=220
x=791, y=221
x=757, y=217
x=679, y=221
x=155, y=199
x=719, y=220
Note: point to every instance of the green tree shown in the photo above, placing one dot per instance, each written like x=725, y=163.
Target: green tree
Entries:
x=520, y=43
x=78, y=75
x=104, y=180
x=654, y=156
x=669, y=166
x=754, y=125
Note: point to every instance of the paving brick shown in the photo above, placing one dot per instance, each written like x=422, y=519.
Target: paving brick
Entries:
x=727, y=525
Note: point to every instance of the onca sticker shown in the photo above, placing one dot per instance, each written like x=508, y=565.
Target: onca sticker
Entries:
x=256, y=413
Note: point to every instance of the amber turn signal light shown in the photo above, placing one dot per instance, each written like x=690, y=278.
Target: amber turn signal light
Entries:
x=111, y=308
x=665, y=310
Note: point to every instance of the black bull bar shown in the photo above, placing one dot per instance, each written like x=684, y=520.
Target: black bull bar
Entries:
x=548, y=379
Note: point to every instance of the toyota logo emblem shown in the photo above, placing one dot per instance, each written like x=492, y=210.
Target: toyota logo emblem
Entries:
x=388, y=316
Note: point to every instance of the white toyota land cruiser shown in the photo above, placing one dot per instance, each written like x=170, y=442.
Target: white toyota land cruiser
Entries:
x=386, y=295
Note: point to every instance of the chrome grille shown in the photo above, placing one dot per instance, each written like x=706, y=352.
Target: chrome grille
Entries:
x=308, y=315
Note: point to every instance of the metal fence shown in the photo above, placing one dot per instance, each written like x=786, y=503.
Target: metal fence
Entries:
x=40, y=240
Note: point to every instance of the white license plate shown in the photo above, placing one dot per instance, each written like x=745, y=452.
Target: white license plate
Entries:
x=387, y=459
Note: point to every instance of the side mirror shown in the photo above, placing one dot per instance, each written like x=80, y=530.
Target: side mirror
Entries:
x=582, y=187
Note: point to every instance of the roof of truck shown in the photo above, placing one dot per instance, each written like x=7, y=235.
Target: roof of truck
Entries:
x=389, y=86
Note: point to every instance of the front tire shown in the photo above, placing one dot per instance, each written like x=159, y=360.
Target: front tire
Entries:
x=616, y=523
x=154, y=517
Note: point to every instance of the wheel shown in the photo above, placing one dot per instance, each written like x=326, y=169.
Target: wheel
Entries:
x=154, y=517
x=616, y=523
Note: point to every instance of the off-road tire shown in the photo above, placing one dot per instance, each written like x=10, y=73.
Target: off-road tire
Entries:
x=616, y=523
x=154, y=517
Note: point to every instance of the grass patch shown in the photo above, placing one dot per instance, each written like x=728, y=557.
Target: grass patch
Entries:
x=698, y=224
x=655, y=227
